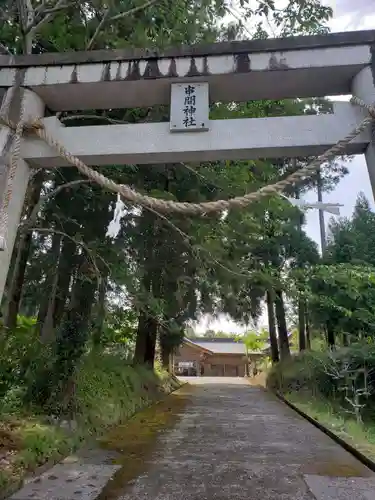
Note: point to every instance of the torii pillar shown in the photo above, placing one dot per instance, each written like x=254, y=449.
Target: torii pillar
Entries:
x=33, y=108
x=363, y=86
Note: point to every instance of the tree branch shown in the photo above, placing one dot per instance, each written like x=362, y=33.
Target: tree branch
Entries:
x=196, y=250
x=4, y=50
x=121, y=15
x=34, y=214
x=52, y=10
x=98, y=28
x=40, y=8
x=46, y=15
x=7, y=11
x=116, y=17
x=26, y=17
x=77, y=242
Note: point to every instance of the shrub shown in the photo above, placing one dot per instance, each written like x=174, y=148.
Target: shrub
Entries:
x=345, y=376
x=108, y=390
x=301, y=372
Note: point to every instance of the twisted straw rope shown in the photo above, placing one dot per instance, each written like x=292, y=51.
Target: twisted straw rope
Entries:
x=186, y=208
x=167, y=206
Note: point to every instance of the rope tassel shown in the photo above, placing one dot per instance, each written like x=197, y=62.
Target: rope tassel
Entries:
x=115, y=224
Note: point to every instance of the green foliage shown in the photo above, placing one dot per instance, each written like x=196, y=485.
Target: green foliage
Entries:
x=255, y=341
x=340, y=290
x=21, y=353
x=345, y=295
x=119, y=327
x=217, y=334
x=352, y=240
x=39, y=443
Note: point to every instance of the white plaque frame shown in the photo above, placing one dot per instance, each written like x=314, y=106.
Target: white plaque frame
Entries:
x=184, y=99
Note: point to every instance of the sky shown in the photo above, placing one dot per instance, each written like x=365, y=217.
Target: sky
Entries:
x=349, y=15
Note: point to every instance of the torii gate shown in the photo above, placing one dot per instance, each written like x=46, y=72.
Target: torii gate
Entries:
x=316, y=66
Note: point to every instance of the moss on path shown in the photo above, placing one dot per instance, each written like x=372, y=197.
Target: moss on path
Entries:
x=136, y=440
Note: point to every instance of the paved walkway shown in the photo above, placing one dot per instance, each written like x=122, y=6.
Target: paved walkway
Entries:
x=237, y=442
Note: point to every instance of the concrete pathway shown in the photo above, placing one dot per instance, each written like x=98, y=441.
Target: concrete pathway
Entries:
x=238, y=442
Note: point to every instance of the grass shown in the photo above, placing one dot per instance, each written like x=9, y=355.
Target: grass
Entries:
x=360, y=436
x=306, y=380
x=107, y=392
x=25, y=444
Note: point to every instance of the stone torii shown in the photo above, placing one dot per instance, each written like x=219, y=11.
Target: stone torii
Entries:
x=189, y=79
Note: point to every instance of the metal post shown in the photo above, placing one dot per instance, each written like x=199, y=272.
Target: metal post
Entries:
x=364, y=87
x=33, y=108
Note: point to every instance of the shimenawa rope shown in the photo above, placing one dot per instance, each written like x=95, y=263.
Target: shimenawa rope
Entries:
x=165, y=206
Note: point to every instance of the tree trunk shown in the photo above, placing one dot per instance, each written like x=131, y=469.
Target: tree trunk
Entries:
x=330, y=334
x=65, y=270
x=272, y=328
x=308, y=333
x=151, y=335
x=281, y=324
x=45, y=319
x=100, y=313
x=50, y=384
x=23, y=250
x=158, y=348
x=165, y=359
x=301, y=325
x=4, y=301
x=165, y=348
x=73, y=333
x=147, y=323
x=140, y=344
x=146, y=340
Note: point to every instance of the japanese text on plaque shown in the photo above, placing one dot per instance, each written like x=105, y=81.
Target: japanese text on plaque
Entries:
x=189, y=109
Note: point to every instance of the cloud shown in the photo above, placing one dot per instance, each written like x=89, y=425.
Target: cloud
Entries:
x=357, y=7
x=351, y=14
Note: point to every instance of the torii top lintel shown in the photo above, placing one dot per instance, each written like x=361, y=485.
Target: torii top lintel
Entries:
x=303, y=66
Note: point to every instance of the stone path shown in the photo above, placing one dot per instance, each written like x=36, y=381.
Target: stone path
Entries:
x=233, y=442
